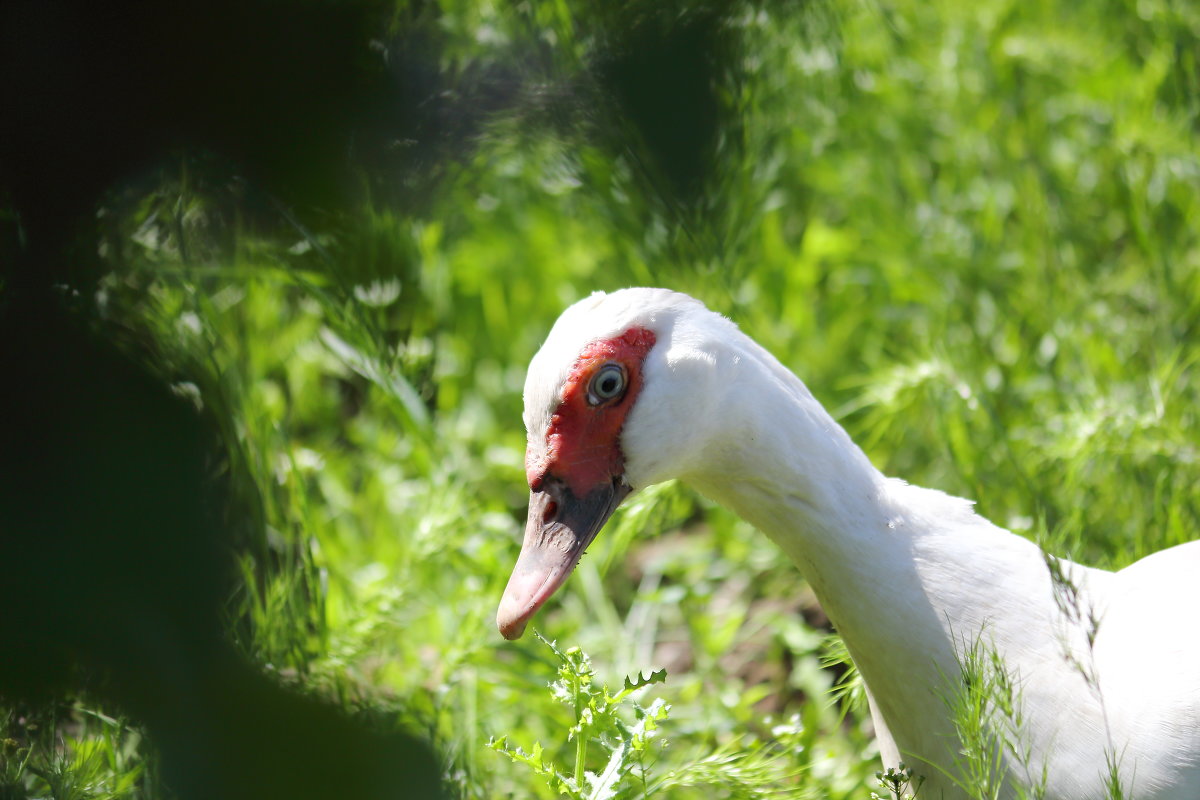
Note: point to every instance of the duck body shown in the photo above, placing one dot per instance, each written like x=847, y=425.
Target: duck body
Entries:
x=1105, y=667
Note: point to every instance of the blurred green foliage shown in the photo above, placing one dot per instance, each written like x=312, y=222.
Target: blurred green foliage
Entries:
x=971, y=228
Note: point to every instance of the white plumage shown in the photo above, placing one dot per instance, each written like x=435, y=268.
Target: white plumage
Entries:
x=909, y=576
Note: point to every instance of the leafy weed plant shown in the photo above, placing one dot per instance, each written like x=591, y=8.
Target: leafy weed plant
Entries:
x=628, y=737
x=597, y=719
x=899, y=783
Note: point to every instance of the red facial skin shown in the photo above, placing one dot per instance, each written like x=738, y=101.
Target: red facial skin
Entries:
x=583, y=446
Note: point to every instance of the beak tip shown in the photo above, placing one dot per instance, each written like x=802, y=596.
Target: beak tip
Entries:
x=511, y=631
x=511, y=626
x=515, y=609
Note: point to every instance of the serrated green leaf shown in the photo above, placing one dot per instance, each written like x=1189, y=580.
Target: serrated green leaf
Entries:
x=658, y=676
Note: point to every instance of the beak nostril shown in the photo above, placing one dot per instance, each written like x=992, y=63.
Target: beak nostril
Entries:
x=548, y=514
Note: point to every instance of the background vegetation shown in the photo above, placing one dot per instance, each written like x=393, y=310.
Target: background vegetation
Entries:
x=970, y=227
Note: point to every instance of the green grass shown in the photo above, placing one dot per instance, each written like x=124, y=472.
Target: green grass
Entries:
x=971, y=228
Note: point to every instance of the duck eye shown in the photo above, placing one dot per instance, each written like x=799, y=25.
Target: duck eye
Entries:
x=607, y=383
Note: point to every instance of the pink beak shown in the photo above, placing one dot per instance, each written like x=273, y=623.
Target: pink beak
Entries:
x=558, y=529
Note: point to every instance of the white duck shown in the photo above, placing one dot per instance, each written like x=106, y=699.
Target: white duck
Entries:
x=643, y=385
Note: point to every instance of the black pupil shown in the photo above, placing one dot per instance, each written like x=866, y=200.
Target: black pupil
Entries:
x=609, y=383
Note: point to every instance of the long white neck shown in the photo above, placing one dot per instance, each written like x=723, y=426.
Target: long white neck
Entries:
x=907, y=575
